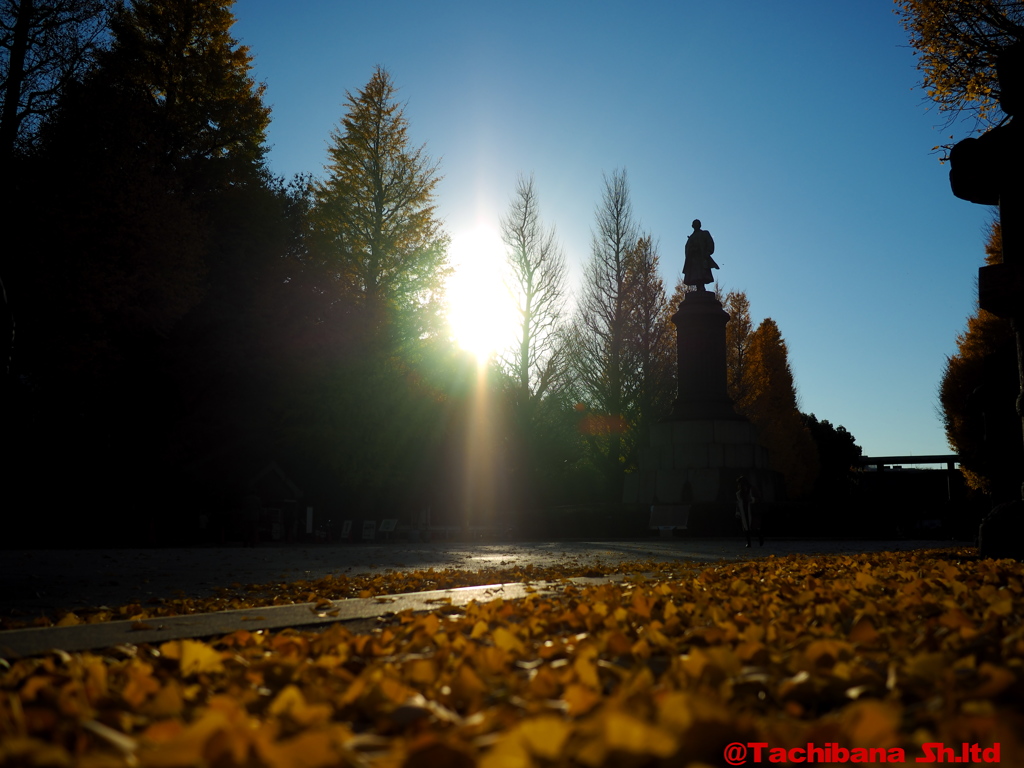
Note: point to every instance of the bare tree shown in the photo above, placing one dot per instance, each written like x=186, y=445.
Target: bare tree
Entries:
x=537, y=282
x=44, y=46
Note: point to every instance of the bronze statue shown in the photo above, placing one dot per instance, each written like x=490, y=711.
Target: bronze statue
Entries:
x=698, y=264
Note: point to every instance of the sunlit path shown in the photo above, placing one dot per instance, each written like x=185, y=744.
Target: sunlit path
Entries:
x=32, y=582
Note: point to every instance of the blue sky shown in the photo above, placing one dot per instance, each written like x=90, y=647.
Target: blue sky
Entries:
x=793, y=129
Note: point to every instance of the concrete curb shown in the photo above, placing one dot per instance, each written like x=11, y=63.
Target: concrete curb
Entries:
x=18, y=643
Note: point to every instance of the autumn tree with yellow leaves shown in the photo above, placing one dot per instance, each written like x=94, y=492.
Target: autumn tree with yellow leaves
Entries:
x=769, y=401
x=599, y=349
x=760, y=383
x=956, y=43
x=977, y=393
x=374, y=220
x=651, y=335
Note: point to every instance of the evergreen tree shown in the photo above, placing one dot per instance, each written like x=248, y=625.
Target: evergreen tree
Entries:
x=375, y=226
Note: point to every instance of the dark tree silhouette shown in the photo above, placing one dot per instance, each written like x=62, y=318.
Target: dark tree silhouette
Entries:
x=45, y=45
x=977, y=394
x=838, y=453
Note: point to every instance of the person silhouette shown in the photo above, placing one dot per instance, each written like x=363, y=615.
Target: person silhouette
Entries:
x=698, y=264
x=747, y=509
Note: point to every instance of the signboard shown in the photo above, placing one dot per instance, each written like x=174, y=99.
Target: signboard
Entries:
x=388, y=526
x=369, y=528
x=346, y=529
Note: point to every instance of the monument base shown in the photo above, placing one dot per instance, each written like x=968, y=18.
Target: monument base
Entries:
x=697, y=462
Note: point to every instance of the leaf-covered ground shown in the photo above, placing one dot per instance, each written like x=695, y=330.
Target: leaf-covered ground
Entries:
x=879, y=651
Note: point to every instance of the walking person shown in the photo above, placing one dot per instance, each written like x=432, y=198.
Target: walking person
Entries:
x=747, y=509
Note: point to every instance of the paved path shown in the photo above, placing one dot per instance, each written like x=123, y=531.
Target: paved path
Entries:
x=35, y=582
x=15, y=643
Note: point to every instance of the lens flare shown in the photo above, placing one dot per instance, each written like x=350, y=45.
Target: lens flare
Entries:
x=481, y=313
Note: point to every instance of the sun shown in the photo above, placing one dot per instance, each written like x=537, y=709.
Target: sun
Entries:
x=481, y=314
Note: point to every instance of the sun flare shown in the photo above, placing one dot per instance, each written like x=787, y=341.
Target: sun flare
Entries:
x=480, y=310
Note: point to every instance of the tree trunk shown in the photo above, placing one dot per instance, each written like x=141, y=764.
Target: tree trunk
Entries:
x=10, y=120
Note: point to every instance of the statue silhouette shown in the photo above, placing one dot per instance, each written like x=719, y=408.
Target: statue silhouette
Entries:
x=698, y=264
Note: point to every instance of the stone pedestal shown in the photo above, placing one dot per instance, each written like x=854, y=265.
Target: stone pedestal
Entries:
x=696, y=455
x=700, y=344
x=698, y=461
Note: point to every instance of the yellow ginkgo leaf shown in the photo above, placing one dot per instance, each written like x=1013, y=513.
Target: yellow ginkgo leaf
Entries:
x=580, y=699
x=507, y=641
x=198, y=657
x=863, y=632
x=545, y=736
x=622, y=731
x=870, y=723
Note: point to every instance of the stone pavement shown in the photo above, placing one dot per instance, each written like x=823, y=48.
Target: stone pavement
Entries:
x=42, y=582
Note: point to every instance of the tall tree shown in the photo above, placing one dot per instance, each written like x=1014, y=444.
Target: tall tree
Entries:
x=167, y=125
x=374, y=218
x=45, y=45
x=769, y=401
x=543, y=440
x=956, y=43
x=737, y=342
x=179, y=60
x=599, y=337
x=650, y=340
x=537, y=281
x=976, y=395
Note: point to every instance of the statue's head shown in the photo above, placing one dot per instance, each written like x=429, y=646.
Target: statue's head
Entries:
x=696, y=223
